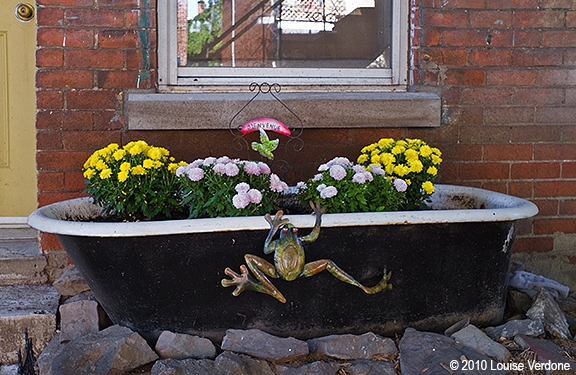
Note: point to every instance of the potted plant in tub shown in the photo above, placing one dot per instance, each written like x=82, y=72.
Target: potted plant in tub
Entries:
x=445, y=262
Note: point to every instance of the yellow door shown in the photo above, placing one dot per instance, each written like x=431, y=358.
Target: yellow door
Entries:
x=17, y=108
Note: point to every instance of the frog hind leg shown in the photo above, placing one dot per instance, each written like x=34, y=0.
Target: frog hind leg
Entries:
x=260, y=268
x=318, y=266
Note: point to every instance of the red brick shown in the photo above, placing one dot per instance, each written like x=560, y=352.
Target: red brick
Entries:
x=454, y=4
x=445, y=56
x=537, y=19
x=74, y=181
x=49, y=99
x=556, y=115
x=557, y=77
x=466, y=115
x=495, y=152
x=556, y=188
x=463, y=152
x=77, y=120
x=119, y=3
x=88, y=140
x=59, y=78
x=521, y=189
x=485, y=171
x=465, y=77
x=537, y=57
x=527, y=38
x=490, y=57
x=108, y=120
x=464, y=37
x=571, y=19
x=91, y=99
x=79, y=38
x=49, y=242
x=568, y=207
x=523, y=171
x=118, y=79
x=458, y=19
x=50, y=16
x=483, y=134
x=537, y=95
x=50, y=37
x=98, y=58
x=569, y=169
x=533, y=244
x=558, y=38
x=49, y=119
x=512, y=4
x=535, y=133
x=487, y=96
x=547, y=207
x=49, y=140
x=558, y=4
x=52, y=181
x=66, y=3
x=490, y=19
x=544, y=151
x=118, y=39
x=553, y=225
x=94, y=17
x=49, y=57
x=431, y=37
x=509, y=115
x=497, y=186
x=511, y=77
x=61, y=160
x=53, y=197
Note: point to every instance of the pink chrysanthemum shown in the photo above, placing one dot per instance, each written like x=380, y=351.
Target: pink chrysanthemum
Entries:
x=241, y=200
x=242, y=187
x=195, y=174
x=231, y=170
x=400, y=185
x=337, y=172
x=252, y=168
x=255, y=196
x=328, y=192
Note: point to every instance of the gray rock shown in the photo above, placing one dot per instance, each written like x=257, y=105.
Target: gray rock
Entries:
x=366, y=367
x=78, y=319
x=434, y=352
x=181, y=346
x=474, y=338
x=548, y=312
x=263, y=345
x=508, y=330
x=545, y=350
x=112, y=351
x=350, y=347
x=71, y=282
x=189, y=366
x=314, y=368
x=229, y=363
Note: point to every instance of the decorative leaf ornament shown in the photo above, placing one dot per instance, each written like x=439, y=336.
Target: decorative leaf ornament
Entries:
x=266, y=146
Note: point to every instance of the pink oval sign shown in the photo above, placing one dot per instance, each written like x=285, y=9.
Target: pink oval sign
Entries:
x=266, y=124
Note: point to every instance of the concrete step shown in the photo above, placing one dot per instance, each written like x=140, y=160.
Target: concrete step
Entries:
x=31, y=307
x=21, y=260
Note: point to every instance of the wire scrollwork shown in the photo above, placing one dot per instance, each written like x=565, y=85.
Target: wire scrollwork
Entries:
x=294, y=142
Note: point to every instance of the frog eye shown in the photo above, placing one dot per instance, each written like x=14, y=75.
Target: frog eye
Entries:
x=284, y=230
x=294, y=230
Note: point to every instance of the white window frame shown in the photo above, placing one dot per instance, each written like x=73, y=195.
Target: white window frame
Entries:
x=174, y=78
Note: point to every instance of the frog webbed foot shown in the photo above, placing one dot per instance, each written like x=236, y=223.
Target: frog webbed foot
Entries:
x=242, y=281
x=277, y=221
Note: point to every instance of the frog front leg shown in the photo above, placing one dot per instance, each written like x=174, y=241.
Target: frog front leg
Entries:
x=260, y=268
x=312, y=268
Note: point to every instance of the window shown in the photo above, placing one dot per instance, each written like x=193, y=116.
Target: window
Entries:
x=304, y=43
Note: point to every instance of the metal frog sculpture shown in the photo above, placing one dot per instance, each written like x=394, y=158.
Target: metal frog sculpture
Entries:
x=289, y=261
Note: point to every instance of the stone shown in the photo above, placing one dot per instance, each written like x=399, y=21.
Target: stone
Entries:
x=181, y=346
x=78, y=319
x=472, y=337
x=433, y=354
x=366, y=367
x=548, y=312
x=8, y=369
x=314, y=368
x=188, y=366
x=31, y=307
x=71, y=282
x=259, y=344
x=113, y=350
x=517, y=303
x=531, y=283
x=545, y=350
x=508, y=330
x=348, y=347
x=229, y=363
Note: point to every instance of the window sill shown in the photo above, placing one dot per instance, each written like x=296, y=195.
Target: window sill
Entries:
x=184, y=111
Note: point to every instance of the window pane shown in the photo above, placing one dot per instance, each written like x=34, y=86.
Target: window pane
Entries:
x=285, y=33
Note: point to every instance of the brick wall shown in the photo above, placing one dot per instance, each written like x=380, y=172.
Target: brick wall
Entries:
x=505, y=70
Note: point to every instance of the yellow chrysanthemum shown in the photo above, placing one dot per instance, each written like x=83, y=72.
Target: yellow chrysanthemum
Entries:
x=363, y=158
x=436, y=159
x=397, y=150
x=100, y=165
x=157, y=164
x=436, y=151
x=148, y=163
x=112, y=147
x=105, y=173
x=411, y=155
x=425, y=151
x=172, y=167
x=118, y=154
x=401, y=170
x=433, y=171
x=155, y=153
x=385, y=142
x=138, y=170
x=124, y=167
x=416, y=166
x=368, y=148
x=428, y=187
x=89, y=173
x=375, y=159
x=123, y=176
x=387, y=159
